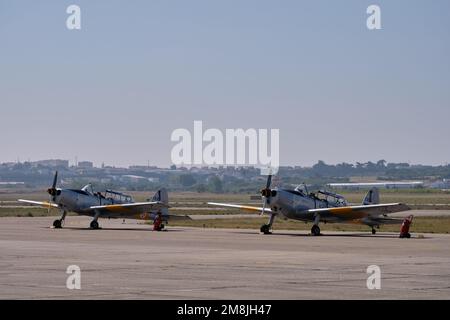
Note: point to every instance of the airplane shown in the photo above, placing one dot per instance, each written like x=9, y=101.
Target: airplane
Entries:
x=110, y=204
x=324, y=206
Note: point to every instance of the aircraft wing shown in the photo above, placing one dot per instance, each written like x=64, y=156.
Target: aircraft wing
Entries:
x=132, y=208
x=44, y=204
x=242, y=207
x=359, y=212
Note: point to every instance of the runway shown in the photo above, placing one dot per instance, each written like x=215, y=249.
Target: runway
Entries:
x=128, y=261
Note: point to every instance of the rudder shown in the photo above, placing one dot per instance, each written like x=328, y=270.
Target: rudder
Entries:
x=162, y=196
x=372, y=197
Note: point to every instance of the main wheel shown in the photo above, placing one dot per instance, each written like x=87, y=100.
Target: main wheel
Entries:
x=57, y=224
x=315, y=230
x=265, y=228
x=374, y=231
x=94, y=225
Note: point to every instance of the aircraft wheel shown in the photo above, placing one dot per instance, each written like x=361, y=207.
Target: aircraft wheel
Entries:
x=57, y=224
x=374, y=231
x=94, y=225
x=265, y=228
x=315, y=230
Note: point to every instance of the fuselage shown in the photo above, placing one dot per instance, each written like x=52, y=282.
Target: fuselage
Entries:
x=293, y=204
x=80, y=201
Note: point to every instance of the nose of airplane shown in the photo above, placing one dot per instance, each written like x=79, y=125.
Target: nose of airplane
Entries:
x=53, y=191
x=56, y=195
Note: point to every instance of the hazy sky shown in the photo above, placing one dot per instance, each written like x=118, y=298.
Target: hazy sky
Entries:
x=115, y=90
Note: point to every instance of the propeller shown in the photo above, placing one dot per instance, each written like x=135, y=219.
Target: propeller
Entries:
x=266, y=193
x=53, y=192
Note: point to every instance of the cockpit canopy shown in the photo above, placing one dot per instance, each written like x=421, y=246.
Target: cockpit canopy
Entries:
x=118, y=197
x=114, y=196
x=88, y=188
x=302, y=188
x=331, y=197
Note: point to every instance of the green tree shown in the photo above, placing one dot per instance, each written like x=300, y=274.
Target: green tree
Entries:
x=201, y=188
x=215, y=184
x=187, y=180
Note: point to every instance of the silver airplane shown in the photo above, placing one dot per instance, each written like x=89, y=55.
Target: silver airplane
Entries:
x=110, y=204
x=324, y=206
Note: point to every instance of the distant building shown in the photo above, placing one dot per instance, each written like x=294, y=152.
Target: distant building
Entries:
x=11, y=183
x=85, y=164
x=143, y=168
x=135, y=178
x=441, y=184
x=386, y=185
x=52, y=163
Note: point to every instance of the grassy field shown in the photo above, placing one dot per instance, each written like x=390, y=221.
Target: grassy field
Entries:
x=189, y=203
x=419, y=197
x=416, y=199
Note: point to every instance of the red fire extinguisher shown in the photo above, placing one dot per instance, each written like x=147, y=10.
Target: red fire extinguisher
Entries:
x=404, y=230
x=157, y=223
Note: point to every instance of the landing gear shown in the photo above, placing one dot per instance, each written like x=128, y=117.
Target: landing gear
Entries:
x=94, y=225
x=58, y=224
x=266, y=228
x=315, y=230
x=374, y=231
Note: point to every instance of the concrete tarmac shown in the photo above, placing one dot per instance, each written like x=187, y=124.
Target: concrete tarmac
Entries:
x=129, y=261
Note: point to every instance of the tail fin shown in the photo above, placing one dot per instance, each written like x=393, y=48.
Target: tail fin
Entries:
x=162, y=196
x=372, y=197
